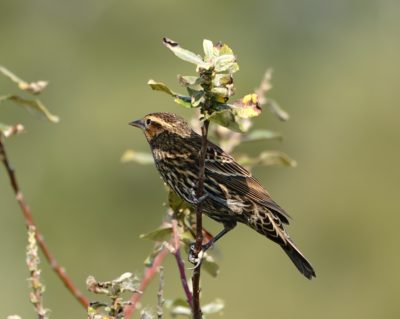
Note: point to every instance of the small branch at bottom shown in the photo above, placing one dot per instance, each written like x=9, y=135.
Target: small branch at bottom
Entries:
x=58, y=269
x=160, y=293
x=181, y=264
x=149, y=274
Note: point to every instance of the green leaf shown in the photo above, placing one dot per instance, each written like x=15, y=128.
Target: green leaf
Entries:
x=184, y=54
x=223, y=49
x=210, y=265
x=268, y=158
x=31, y=104
x=187, y=80
x=208, y=48
x=150, y=259
x=160, y=234
x=176, y=202
x=227, y=119
x=138, y=157
x=184, y=102
x=226, y=63
x=213, y=307
x=277, y=110
x=222, y=79
x=160, y=86
x=192, y=82
x=221, y=91
x=247, y=106
x=198, y=98
x=178, y=307
x=258, y=135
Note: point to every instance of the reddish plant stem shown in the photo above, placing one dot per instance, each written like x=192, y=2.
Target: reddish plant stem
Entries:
x=58, y=269
x=181, y=264
x=149, y=274
x=199, y=223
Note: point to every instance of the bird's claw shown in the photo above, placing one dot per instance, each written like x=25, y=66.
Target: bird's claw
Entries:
x=199, y=200
x=195, y=257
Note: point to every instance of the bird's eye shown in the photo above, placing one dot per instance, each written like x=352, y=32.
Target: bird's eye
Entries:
x=148, y=122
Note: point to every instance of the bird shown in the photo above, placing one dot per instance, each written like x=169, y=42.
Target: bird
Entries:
x=231, y=194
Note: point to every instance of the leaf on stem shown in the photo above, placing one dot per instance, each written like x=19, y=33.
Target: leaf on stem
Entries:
x=176, y=202
x=213, y=307
x=160, y=86
x=226, y=63
x=178, y=307
x=160, y=234
x=156, y=251
x=268, y=158
x=272, y=105
x=277, y=110
x=210, y=265
x=180, y=99
x=234, y=116
x=35, y=104
x=138, y=157
x=247, y=106
x=259, y=135
x=184, y=54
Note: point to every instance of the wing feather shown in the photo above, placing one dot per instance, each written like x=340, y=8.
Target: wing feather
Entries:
x=225, y=170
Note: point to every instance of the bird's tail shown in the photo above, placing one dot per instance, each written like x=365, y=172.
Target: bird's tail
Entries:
x=301, y=263
x=270, y=225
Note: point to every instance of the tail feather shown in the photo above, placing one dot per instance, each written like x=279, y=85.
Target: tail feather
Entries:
x=301, y=263
x=270, y=225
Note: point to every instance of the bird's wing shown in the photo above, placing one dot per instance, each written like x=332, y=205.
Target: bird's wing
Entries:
x=225, y=170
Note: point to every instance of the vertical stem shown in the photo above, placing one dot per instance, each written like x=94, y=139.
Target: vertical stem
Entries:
x=181, y=264
x=199, y=223
x=160, y=293
x=147, y=278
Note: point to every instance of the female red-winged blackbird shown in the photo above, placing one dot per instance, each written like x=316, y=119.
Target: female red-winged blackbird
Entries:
x=232, y=194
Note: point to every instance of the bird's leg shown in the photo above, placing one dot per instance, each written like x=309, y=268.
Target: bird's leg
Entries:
x=194, y=258
x=227, y=228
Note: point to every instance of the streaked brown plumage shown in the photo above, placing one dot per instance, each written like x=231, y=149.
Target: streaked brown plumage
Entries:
x=233, y=194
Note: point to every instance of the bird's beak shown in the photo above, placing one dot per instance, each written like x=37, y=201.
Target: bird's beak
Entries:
x=137, y=123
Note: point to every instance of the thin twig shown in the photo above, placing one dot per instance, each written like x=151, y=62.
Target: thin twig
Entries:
x=32, y=261
x=58, y=269
x=160, y=293
x=149, y=274
x=199, y=226
x=181, y=264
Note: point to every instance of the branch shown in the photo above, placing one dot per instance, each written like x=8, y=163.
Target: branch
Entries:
x=149, y=273
x=160, y=293
x=32, y=261
x=199, y=225
x=58, y=269
x=181, y=264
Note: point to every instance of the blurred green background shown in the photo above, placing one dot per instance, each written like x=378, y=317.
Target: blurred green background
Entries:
x=336, y=72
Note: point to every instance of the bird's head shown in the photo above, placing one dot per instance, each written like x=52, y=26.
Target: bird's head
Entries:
x=156, y=123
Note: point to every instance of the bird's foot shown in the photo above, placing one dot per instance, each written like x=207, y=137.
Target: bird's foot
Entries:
x=198, y=200
x=195, y=257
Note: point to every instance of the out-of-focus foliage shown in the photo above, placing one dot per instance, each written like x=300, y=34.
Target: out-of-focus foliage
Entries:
x=335, y=72
x=34, y=88
x=114, y=290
